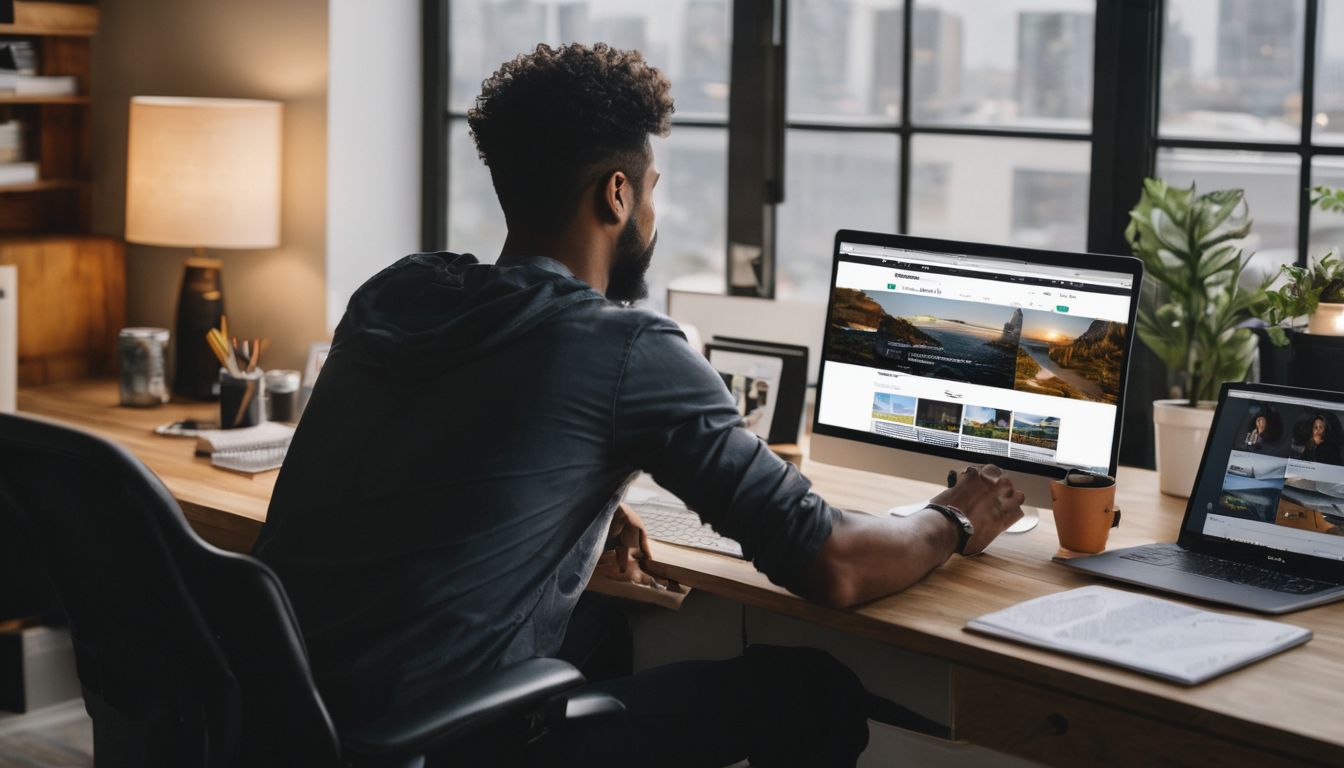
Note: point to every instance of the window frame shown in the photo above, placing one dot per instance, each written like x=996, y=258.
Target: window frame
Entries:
x=1123, y=136
x=438, y=118
x=1120, y=79
x=1304, y=147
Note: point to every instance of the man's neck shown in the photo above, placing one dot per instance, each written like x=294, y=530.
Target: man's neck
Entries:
x=574, y=250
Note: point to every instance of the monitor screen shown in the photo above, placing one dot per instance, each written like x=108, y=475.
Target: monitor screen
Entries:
x=1274, y=475
x=1018, y=361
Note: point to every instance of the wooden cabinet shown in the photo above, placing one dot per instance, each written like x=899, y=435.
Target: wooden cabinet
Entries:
x=72, y=302
x=71, y=284
x=1061, y=729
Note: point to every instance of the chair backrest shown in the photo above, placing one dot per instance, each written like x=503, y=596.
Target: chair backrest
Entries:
x=188, y=655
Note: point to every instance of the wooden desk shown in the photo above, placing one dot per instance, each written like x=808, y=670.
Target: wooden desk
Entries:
x=1287, y=710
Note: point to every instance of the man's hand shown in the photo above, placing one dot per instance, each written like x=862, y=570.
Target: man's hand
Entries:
x=989, y=499
x=628, y=547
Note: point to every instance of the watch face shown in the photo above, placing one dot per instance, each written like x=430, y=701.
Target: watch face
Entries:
x=966, y=524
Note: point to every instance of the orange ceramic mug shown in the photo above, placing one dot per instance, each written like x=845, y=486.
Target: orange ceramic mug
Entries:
x=1084, y=516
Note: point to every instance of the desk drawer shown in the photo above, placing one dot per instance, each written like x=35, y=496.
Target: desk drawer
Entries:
x=1061, y=730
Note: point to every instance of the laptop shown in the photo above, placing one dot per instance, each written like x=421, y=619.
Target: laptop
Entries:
x=1264, y=527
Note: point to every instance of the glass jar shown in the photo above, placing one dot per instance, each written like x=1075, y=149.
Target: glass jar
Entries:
x=141, y=366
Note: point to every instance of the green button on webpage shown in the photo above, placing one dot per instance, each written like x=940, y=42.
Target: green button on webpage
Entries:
x=891, y=286
x=1061, y=308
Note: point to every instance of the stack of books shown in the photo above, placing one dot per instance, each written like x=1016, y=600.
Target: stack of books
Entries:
x=12, y=168
x=18, y=72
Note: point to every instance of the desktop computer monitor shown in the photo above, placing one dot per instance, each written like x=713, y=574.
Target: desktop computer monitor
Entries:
x=940, y=354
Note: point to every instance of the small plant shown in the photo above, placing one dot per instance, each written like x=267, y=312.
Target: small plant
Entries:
x=1302, y=289
x=1194, y=304
x=1299, y=294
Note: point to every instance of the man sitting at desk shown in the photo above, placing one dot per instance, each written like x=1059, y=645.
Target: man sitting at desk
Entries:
x=460, y=465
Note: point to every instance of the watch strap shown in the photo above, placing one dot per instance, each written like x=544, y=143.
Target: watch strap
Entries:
x=964, y=527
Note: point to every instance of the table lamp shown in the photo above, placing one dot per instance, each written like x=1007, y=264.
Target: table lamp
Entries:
x=202, y=173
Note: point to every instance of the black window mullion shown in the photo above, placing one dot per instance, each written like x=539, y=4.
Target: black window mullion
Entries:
x=1126, y=83
x=907, y=100
x=434, y=123
x=1308, y=120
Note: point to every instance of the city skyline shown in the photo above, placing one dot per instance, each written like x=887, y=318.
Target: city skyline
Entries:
x=1012, y=63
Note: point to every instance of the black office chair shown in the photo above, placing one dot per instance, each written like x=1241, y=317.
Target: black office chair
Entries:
x=191, y=656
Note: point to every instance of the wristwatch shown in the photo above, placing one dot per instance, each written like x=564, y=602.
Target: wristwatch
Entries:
x=964, y=528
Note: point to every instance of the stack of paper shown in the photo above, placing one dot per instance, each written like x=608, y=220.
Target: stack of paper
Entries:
x=1157, y=637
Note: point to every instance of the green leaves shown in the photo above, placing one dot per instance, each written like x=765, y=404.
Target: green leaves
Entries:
x=1327, y=199
x=1302, y=289
x=1195, y=303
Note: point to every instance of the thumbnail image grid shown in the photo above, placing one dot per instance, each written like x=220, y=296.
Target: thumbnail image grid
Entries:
x=993, y=345
x=1285, y=468
x=982, y=429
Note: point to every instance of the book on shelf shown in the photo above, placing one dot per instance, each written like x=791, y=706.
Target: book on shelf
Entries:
x=18, y=55
x=18, y=173
x=11, y=141
x=18, y=61
x=43, y=85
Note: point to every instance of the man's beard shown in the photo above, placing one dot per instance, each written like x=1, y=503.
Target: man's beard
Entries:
x=625, y=281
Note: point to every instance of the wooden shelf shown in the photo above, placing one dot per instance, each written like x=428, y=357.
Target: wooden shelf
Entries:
x=43, y=185
x=10, y=98
x=44, y=223
x=63, y=19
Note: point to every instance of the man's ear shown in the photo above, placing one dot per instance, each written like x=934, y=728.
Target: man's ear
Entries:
x=616, y=197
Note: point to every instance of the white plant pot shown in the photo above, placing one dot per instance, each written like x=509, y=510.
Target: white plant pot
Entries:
x=1327, y=320
x=1181, y=433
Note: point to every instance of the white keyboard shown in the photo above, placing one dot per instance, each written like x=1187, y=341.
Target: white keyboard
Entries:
x=667, y=519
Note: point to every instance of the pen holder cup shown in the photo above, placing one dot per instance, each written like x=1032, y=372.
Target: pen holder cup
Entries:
x=240, y=399
x=1084, y=516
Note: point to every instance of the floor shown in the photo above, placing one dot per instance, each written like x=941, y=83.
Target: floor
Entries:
x=59, y=736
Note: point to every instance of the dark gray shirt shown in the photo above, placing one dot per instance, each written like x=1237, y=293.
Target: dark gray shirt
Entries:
x=452, y=480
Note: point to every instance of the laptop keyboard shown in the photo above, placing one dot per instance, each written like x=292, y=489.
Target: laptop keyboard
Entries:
x=1186, y=561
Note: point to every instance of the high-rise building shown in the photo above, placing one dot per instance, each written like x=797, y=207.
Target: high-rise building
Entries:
x=818, y=72
x=885, y=98
x=1259, y=55
x=936, y=62
x=1178, y=49
x=703, y=84
x=1054, y=64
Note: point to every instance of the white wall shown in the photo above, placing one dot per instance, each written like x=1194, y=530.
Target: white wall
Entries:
x=373, y=143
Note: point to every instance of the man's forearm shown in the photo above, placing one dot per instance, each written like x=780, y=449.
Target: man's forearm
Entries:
x=868, y=557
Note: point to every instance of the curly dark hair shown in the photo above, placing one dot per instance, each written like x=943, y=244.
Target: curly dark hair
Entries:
x=549, y=121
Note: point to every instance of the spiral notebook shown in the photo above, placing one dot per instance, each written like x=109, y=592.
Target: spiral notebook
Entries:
x=249, y=450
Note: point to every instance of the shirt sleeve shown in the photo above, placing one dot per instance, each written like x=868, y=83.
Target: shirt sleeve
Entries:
x=674, y=418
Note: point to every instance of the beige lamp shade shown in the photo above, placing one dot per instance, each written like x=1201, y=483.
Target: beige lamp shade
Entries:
x=203, y=172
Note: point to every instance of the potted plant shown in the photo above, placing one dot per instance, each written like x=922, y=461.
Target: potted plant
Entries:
x=1315, y=291
x=1192, y=312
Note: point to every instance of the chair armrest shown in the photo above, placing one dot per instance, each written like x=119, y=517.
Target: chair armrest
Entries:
x=467, y=705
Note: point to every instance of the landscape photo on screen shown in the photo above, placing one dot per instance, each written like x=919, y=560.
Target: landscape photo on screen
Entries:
x=1034, y=437
x=994, y=345
x=988, y=423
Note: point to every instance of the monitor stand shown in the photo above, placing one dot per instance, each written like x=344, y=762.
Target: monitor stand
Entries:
x=1031, y=517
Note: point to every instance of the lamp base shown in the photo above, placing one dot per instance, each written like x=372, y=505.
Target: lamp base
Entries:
x=200, y=305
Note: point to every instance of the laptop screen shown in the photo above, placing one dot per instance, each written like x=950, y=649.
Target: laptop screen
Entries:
x=1273, y=475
